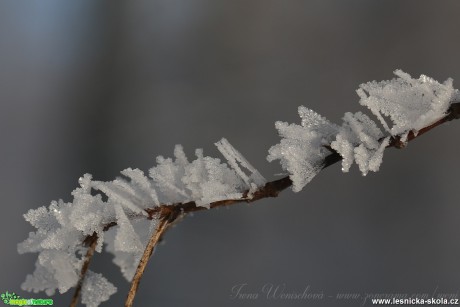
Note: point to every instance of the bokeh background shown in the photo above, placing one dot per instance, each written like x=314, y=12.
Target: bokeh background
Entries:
x=98, y=86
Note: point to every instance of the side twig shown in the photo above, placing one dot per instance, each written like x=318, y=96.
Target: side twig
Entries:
x=161, y=228
x=89, y=255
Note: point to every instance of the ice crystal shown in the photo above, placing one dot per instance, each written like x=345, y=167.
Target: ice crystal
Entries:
x=96, y=289
x=301, y=149
x=62, y=227
x=410, y=104
x=359, y=139
x=126, y=255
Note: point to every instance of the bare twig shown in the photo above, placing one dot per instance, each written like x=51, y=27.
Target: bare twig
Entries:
x=156, y=235
x=89, y=255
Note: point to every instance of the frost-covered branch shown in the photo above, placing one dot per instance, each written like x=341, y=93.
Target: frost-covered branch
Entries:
x=273, y=188
x=138, y=209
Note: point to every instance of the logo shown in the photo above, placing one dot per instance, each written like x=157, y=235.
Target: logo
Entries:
x=15, y=300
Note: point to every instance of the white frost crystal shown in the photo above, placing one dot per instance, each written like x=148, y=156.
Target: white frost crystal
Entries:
x=54, y=269
x=126, y=240
x=411, y=104
x=208, y=180
x=128, y=259
x=301, y=149
x=62, y=227
x=142, y=186
x=96, y=289
x=358, y=140
x=204, y=180
x=234, y=157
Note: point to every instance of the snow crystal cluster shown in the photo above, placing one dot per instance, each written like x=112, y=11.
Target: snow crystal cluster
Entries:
x=301, y=149
x=410, y=104
x=63, y=227
x=359, y=139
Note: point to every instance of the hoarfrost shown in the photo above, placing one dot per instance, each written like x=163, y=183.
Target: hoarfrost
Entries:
x=301, y=149
x=209, y=180
x=142, y=184
x=119, y=192
x=62, y=227
x=96, y=289
x=54, y=269
x=128, y=261
x=126, y=239
x=205, y=179
x=411, y=104
x=358, y=140
x=234, y=157
x=167, y=175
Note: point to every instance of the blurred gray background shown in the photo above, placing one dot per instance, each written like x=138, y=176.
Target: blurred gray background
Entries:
x=98, y=86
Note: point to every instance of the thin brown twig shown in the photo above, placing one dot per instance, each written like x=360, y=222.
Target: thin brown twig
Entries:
x=156, y=235
x=84, y=269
